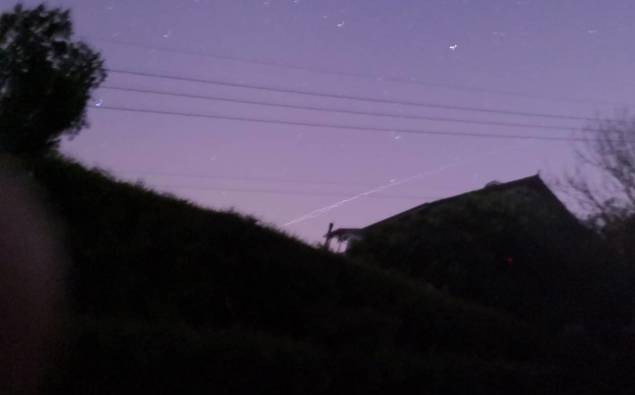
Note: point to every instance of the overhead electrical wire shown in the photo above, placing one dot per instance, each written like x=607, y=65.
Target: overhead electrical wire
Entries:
x=375, y=78
x=286, y=192
x=241, y=178
x=339, y=110
x=366, y=99
x=344, y=127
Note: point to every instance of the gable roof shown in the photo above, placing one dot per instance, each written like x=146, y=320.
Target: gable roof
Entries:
x=532, y=182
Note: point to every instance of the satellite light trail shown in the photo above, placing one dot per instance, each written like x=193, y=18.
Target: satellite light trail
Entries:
x=324, y=210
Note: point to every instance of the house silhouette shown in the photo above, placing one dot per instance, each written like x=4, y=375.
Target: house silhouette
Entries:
x=513, y=246
x=535, y=184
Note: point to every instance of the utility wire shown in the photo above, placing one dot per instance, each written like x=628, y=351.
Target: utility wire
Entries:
x=232, y=178
x=288, y=192
x=344, y=127
x=341, y=111
x=348, y=97
x=375, y=78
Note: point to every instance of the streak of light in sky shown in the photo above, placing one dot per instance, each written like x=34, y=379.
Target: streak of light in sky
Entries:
x=324, y=210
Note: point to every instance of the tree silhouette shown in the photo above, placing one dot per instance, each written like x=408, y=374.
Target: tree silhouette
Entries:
x=604, y=182
x=46, y=79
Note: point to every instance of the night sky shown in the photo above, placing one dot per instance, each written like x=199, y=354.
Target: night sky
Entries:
x=570, y=58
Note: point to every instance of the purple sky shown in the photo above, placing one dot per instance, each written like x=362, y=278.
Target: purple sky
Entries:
x=549, y=52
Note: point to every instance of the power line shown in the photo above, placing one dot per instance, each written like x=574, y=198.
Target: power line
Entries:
x=371, y=77
x=341, y=111
x=288, y=192
x=271, y=191
x=344, y=127
x=349, y=97
x=233, y=178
